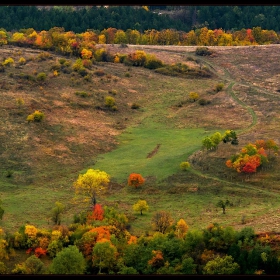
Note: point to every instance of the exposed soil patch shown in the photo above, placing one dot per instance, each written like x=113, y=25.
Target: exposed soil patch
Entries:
x=154, y=151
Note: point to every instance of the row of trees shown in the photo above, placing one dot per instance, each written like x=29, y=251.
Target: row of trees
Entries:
x=181, y=18
x=69, y=42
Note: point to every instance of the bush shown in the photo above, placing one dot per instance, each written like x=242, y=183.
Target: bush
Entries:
x=203, y=101
x=110, y=101
x=62, y=60
x=8, y=62
x=203, y=51
x=82, y=93
x=137, y=58
x=135, y=106
x=41, y=76
x=219, y=87
x=99, y=73
x=37, y=116
x=152, y=62
x=22, y=61
x=184, y=165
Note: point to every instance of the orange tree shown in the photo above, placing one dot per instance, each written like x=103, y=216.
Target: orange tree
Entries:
x=135, y=180
x=249, y=159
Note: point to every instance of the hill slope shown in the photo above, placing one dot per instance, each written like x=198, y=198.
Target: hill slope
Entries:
x=80, y=132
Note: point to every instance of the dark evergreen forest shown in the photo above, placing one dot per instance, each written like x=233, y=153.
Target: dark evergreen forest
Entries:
x=97, y=18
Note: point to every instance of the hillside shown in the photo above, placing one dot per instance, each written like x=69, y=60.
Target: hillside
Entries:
x=40, y=161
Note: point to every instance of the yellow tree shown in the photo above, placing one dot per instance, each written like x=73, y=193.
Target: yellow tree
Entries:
x=93, y=183
x=181, y=228
x=141, y=206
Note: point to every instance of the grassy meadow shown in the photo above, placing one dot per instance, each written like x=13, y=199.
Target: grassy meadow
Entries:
x=39, y=162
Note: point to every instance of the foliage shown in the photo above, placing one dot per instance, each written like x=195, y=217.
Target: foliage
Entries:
x=185, y=165
x=41, y=76
x=110, y=102
x=56, y=212
x=92, y=183
x=181, y=228
x=135, y=180
x=230, y=136
x=211, y=142
x=223, y=204
x=104, y=256
x=219, y=87
x=8, y=61
x=203, y=51
x=37, y=116
x=161, y=221
x=97, y=213
x=141, y=206
x=68, y=261
x=152, y=62
x=34, y=265
x=137, y=58
x=250, y=158
x=193, y=96
x=221, y=265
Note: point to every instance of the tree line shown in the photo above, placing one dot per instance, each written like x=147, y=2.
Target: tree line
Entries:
x=140, y=18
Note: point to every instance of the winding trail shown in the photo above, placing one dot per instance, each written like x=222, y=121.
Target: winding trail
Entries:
x=226, y=75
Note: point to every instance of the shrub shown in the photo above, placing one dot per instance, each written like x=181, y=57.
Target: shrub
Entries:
x=152, y=62
x=203, y=101
x=62, y=60
x=135, y=106
x=37, y=116
x=99, y=73
x=203, y=51
x=219, y=87
x=110, y=101
x=83, y=72
x=41, y=76
x=8, y=62
x=82, y=93
x=184, y=165
x=137, y=58
x=20, y=102
x=193, y=96
x=87, y=63
x=112, y=91
x=22, y=61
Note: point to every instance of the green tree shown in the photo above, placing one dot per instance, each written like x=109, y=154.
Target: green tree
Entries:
x=230, y=136
x=188, y=266
x=104, y=256
x=141, y=206
x=34, y=265
x=207, y=143
x=216, y=138
x=92, y=183
x=223, y=204
x=221, y=265
x=68, y=261
x=56, y=212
